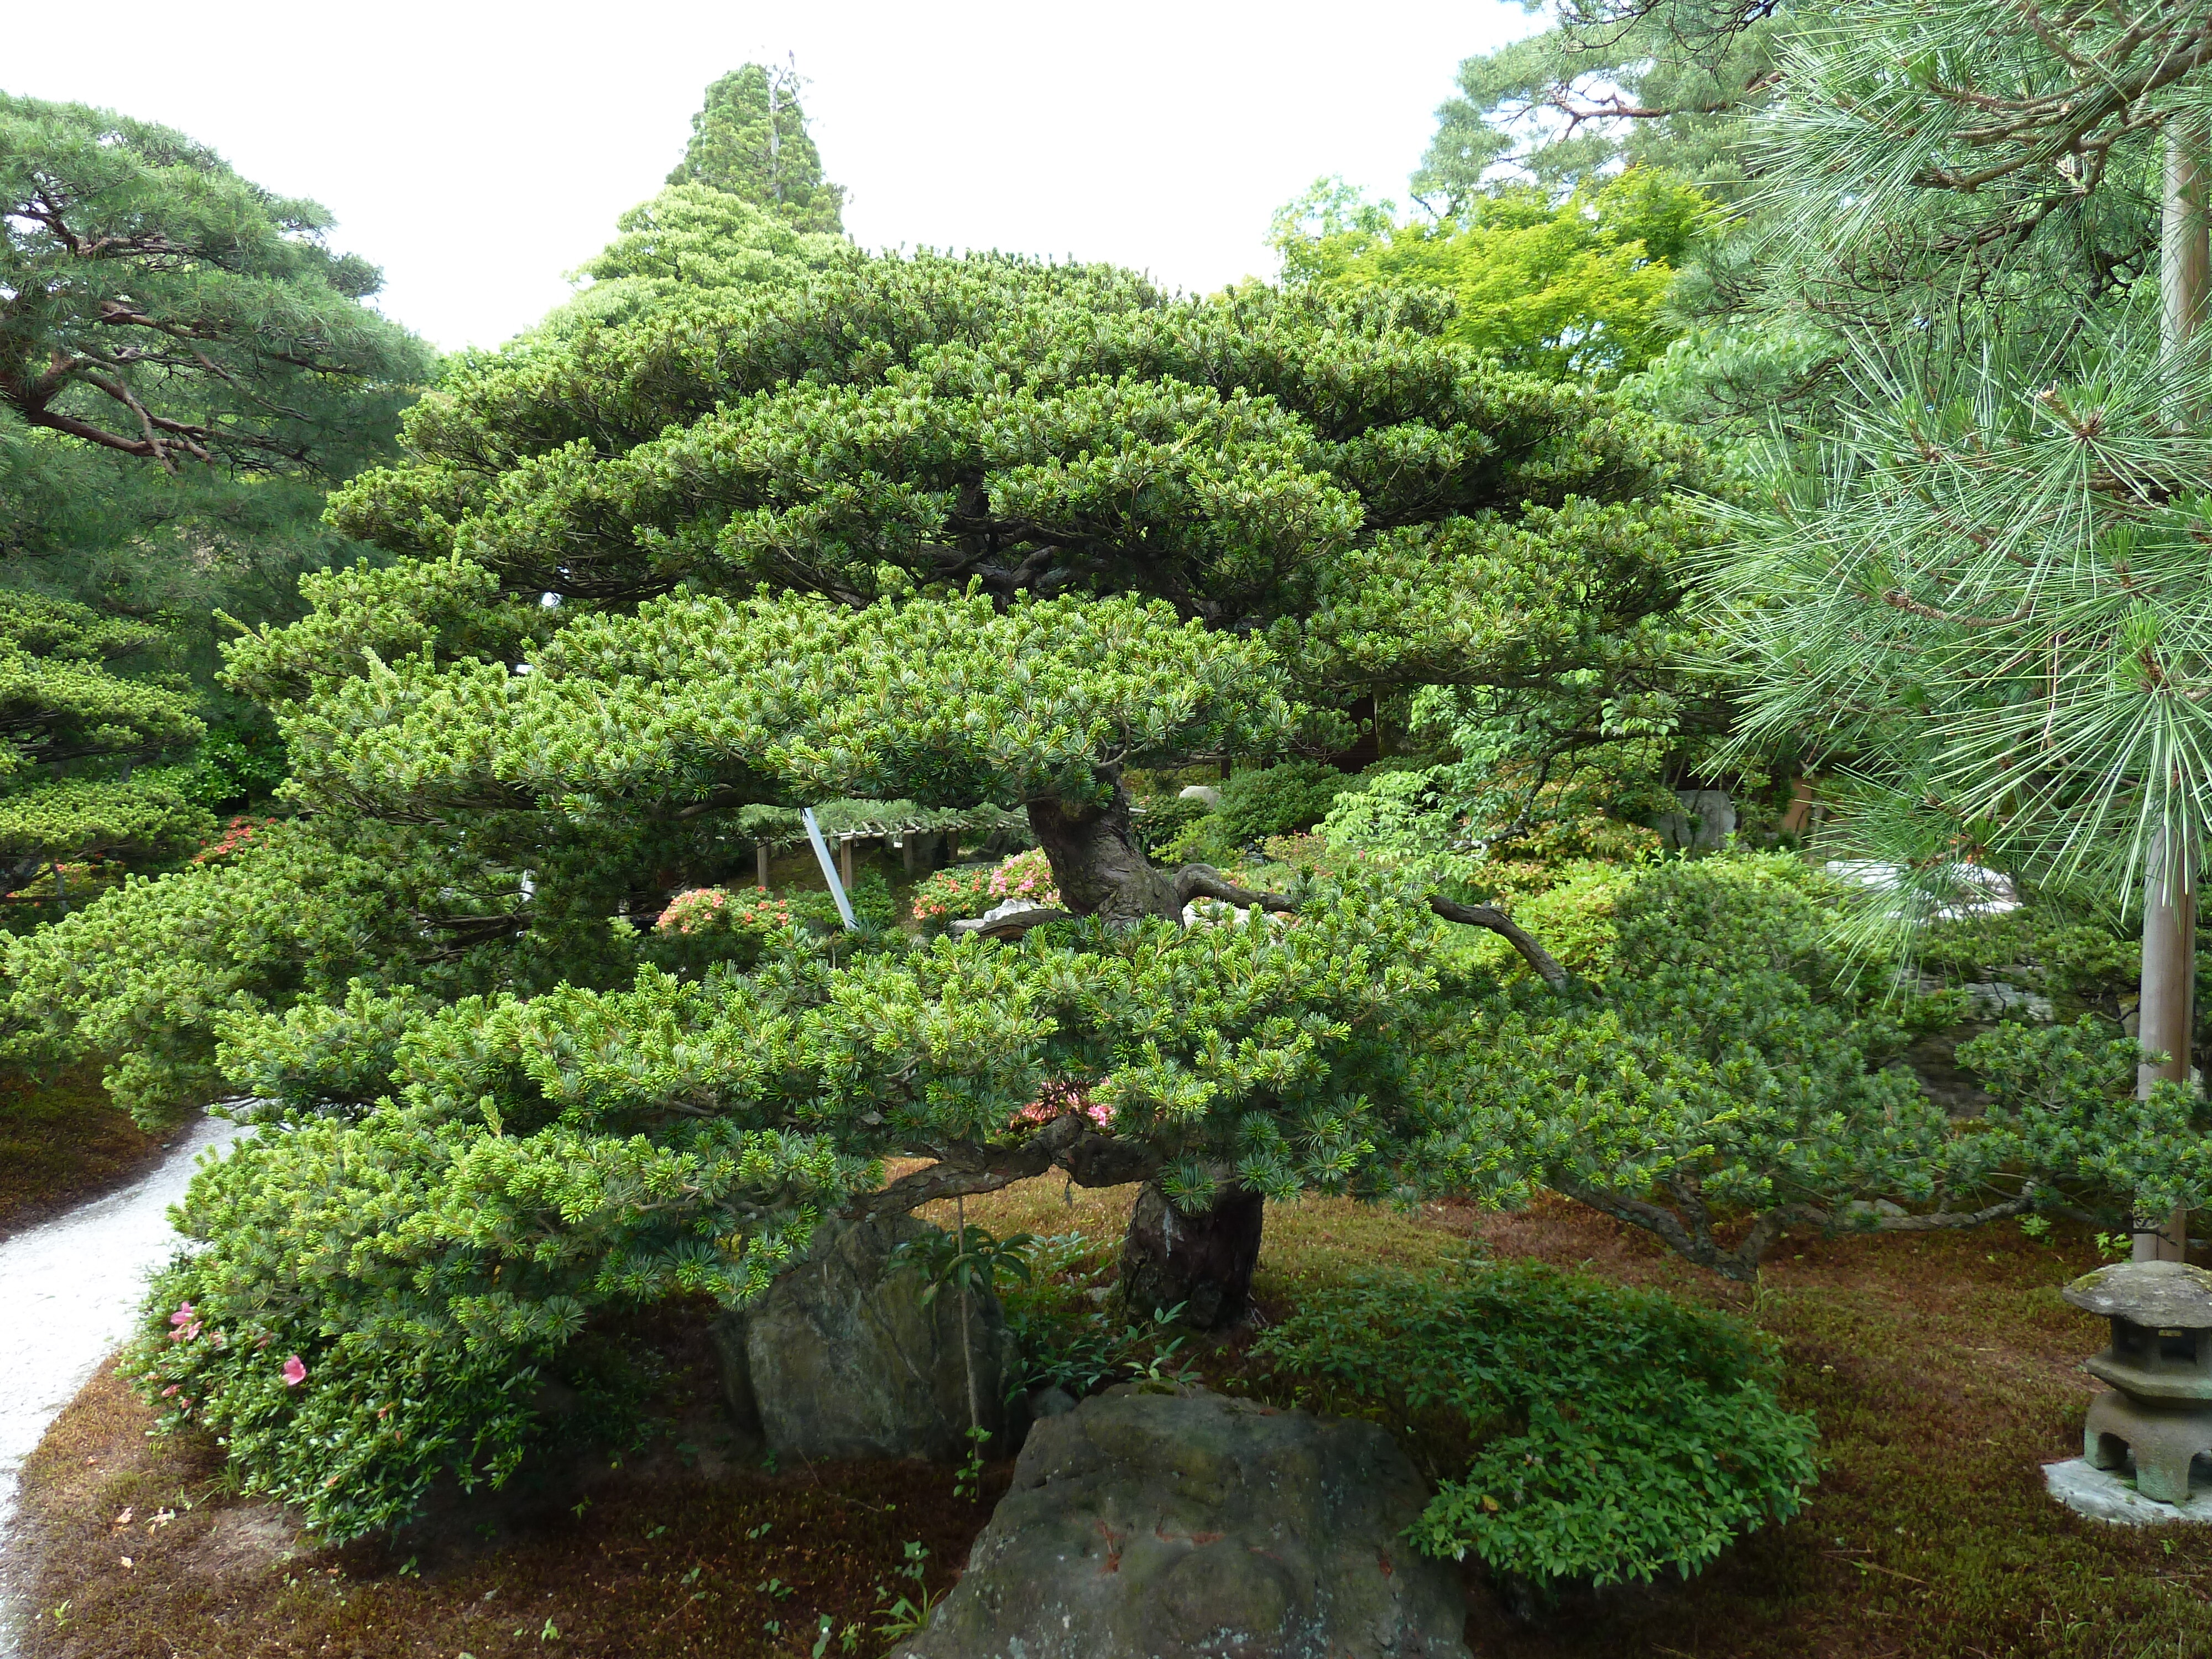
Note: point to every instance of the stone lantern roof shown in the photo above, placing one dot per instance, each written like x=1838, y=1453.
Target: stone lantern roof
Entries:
x=2169, y=1296
x=2161, y=1315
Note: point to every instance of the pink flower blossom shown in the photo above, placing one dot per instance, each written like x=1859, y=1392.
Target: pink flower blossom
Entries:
x=171, y=1389
x=185, y=1323
x=295, y=1372
x=1060, y=1096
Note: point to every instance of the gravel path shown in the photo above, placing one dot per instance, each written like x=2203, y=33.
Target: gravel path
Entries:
x=69, y=1295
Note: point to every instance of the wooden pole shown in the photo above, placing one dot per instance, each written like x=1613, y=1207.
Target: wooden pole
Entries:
x=2166, y=1017
x=760, y=855
x=845, y=861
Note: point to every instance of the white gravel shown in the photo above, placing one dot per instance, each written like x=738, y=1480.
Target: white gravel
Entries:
x=69, y=1296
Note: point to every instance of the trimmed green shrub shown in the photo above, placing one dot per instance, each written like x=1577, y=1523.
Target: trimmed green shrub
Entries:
x=1160, y=820
x=1581, y=1431
x=1268, y=800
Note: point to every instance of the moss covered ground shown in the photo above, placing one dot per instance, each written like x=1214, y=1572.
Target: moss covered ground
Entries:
x=62, y=1141
x=1944, y=1370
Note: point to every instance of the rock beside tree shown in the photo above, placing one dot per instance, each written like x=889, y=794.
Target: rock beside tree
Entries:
x=1188, y=1523
x=843, y=1358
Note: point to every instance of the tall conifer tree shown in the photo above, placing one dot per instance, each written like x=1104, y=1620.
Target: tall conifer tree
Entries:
x=750, y=139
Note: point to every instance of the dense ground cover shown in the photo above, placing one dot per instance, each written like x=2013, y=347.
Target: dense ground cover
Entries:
x=1944, y=1370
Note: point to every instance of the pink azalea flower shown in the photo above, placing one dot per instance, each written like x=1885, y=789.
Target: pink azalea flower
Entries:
x=167, y=1392
x=295, y=1372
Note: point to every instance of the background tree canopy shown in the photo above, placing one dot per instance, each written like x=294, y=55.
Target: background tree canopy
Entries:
x=184, y=366
x=751, y=141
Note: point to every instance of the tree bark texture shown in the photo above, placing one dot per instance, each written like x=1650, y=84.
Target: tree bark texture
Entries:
x=1097, y=863
x=1201, y=1263
x=2169, y=947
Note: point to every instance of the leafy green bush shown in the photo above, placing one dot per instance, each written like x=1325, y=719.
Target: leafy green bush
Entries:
x=1163, y=818
x=2089, y=963
x=1268, y=800
x=1616, y=1434
x=237, y=764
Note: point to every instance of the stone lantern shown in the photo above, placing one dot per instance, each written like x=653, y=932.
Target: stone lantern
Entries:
x=2160, y=1365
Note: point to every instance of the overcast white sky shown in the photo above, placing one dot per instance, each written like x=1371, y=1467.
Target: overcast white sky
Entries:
x=478, y=150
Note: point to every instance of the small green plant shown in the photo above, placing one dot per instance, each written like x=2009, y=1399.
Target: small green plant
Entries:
x=1073, y=1336
x=2115, y=1247
x=2036, y=1227
x=910, y=1614
x=967, y=1479
x=969, y=1260
x=1579, y=1431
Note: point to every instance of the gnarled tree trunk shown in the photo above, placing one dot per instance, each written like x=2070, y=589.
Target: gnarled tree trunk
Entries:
x=1097, y=863
x=1201, y=1263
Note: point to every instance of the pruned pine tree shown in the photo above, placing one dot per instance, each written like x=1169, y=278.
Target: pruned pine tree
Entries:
x=1987, y=599
x=1328, y=475
x=1327, y=479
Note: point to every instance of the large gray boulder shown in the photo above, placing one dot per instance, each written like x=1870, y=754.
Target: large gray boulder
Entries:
x=841, y=1359
x=1188, y=1525
x=1706, y=820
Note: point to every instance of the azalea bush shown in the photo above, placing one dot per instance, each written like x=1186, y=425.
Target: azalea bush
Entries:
x=1577, y=1431
x=238, y=833
x=958, y=894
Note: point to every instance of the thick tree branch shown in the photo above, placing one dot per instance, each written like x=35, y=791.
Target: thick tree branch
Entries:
x=1069, y=1142
x=1203, y=881
x=1695, y=1244
x=1482, y=916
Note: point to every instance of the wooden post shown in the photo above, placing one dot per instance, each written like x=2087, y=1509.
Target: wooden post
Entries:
x=760, y=853
x=845, y=861
x=906, y=850
x=2166, y=1019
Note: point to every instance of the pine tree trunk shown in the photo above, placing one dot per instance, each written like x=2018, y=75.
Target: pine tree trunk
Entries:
x=2166, y=1013
x=1202, y=1263
x=1097, y=863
